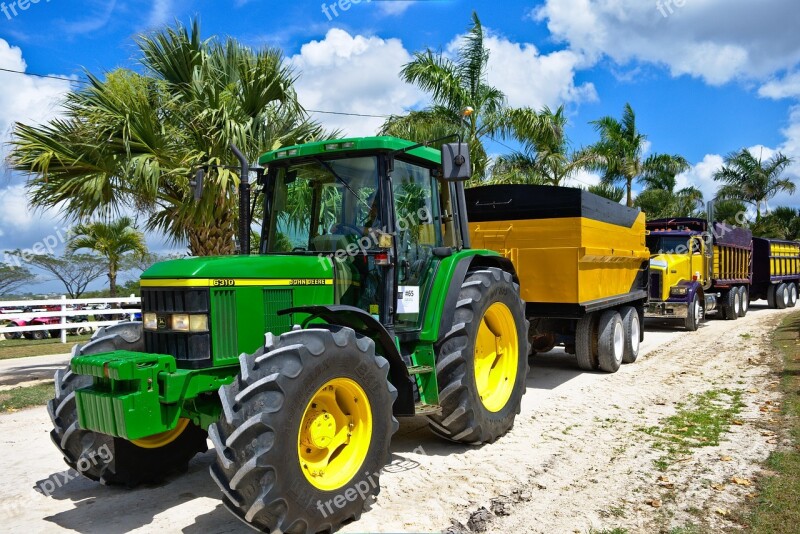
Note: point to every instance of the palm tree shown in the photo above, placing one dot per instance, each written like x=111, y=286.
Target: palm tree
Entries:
x=112, y=240
x=611, y=192
x=133, y=140
x=782, y=223
x=545, y=158
x=752, y=180
x=455, y=86
x=660, y=200
x=620, y=150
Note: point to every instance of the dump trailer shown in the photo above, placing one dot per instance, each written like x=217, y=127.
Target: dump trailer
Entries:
x=363, y=301
x=776, y=272
x=582, y=265
x=698, y=267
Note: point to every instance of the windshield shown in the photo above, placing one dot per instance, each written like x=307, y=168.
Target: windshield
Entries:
x=667, y=244
x=323, y=205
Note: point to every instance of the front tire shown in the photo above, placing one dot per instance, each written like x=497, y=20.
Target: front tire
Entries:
x=305, y=431
x=104, y=458
x=482, y=362
x=693, y=315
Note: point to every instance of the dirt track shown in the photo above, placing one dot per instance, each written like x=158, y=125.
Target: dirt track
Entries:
x=575, y=460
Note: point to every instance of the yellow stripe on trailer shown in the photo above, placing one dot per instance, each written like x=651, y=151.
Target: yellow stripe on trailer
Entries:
x=236, y=282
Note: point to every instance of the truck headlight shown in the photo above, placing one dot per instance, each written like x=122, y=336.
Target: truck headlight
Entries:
x=678, y=291
x=150, y=321
x=183, y=322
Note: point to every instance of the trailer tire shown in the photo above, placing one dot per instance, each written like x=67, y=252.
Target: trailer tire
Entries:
x=782, y=296
x=693, y=315
x=792, y=289
x=317, y=397
x=633, y=331
x=586, y=342
x=744, y=296
x=772, y=300
x=610, y=341
x=474, y=410
x=104, y=458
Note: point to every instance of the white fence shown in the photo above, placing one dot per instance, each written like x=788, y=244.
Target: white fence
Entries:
x=70, y=309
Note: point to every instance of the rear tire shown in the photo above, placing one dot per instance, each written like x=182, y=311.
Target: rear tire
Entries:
x=610, y=341
x=290, y=407
x=481, y=399
x=693, y=315
x=104, y=458
x=586, y=342
x=633, y=333
x=772, y=299
x=782, y=297
x=744, y=296
x=792, y=288
x=728, y=308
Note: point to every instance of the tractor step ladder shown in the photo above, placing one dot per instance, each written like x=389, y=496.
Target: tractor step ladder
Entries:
x=420, y=369
x=427, y=409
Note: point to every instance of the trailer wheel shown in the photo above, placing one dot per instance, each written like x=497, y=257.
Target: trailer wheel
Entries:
x=782, y=297
x=792, y=288
x=107, y=459
x=610, y=341
x=772, y=300
x=586, y=342
x=482, y=362
x=693, y=315
x=304, y=431
x=744, y=295
x=633, y=333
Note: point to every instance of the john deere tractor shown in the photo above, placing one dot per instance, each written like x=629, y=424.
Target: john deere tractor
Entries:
x=362, y=303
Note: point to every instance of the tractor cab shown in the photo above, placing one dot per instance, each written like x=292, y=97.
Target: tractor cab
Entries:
x=378, y=208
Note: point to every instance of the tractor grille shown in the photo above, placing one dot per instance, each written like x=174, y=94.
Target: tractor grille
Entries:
x=655, y=285
x=191, y=350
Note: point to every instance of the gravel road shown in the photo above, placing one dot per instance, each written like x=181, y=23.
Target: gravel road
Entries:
x=576, y=459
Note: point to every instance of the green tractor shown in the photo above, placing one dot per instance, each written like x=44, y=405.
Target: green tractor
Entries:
x=362, y=303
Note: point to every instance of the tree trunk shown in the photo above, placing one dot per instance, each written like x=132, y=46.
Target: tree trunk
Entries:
x=630, y=195
x=112, y=280
x=216, y=240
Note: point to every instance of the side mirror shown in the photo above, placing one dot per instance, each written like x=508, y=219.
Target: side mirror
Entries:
x=197, y=183
x=456, y=164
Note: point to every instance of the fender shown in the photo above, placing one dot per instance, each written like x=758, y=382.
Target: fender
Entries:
x=366, y=325
x=469, y=263
x=693, y=288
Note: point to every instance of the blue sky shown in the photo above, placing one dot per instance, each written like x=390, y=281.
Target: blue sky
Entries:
x=705, y=79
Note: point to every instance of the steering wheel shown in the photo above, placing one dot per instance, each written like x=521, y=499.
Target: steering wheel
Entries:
x=351, y=229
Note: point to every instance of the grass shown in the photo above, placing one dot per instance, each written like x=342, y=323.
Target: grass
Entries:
x=699, y=423
x=25, y=397
x=23, y=348
x=777, y=510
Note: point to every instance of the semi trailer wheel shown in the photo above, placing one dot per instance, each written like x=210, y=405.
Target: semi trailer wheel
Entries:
x=304, y=431
x=772, y=300
x=792, y=290
x=610, y=341
x=693, y=314
x=107, y=459
x=744, y=295
x=633, y=333
x=782, y=296
x=482, y=362
x=586, y=342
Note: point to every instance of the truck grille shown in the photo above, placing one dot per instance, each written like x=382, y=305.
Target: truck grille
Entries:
x=655, y=285
x=191, y=350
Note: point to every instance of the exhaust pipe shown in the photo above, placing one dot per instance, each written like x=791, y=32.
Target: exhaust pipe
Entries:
x=244, y=202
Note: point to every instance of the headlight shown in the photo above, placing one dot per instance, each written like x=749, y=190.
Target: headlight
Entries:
x=180, y=322
x=150, y=321
x=679, y=291
x=198, y=323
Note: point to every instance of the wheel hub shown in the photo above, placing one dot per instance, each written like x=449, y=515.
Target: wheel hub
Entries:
x=320, y=430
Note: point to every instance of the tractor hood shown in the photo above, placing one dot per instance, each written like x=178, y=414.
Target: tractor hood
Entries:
x=243, y=267
x=669, y=262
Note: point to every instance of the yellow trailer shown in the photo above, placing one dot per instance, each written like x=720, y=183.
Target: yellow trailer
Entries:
x=581, y=261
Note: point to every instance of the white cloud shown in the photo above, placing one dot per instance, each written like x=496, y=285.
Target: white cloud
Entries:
x=786, y=87
x=354, y=74
x=701, y=176
x=716, y=40
x=160, y=14
x=394, y=7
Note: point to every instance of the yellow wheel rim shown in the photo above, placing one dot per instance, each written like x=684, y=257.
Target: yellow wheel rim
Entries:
x=496, y=357
x=335, y=434
x=162, y=440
